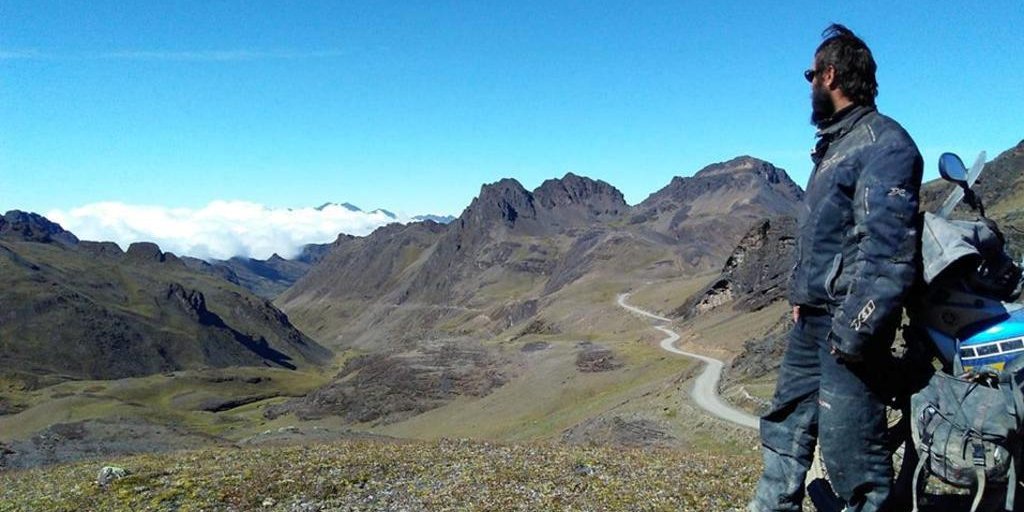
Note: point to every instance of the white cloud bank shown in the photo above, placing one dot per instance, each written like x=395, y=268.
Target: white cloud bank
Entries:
x=221, y=229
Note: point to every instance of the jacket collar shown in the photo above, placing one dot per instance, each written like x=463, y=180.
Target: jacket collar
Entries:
x=843, y=121
x=836, y=127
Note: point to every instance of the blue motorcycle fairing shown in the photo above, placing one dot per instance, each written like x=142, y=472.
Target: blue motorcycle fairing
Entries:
x=994, y=345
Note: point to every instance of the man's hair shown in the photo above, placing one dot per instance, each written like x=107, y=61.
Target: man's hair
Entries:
x=851, y=58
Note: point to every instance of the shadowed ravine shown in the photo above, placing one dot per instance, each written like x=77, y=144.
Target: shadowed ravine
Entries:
x=705, y=388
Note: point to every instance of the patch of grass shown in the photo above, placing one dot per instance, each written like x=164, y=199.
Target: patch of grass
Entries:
x=547, y=397
x=364, y=475
x=166, y=398
x=665, y=296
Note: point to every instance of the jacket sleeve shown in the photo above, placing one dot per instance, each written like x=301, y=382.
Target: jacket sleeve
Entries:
x=885, y=205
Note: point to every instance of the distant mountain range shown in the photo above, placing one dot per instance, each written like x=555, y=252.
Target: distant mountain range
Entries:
x=542, y=240
x=441, y=219
x=462, y=315
x=511, y=257
x=125, y=313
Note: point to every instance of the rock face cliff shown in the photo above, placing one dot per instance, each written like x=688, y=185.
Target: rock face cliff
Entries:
x=756, y=273
x=89, y=310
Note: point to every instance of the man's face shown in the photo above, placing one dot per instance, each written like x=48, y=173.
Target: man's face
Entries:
x=822, y=106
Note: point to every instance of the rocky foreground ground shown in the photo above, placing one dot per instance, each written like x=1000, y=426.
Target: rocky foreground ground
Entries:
x=376, y=475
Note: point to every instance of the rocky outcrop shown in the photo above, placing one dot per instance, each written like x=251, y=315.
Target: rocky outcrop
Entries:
x=756, y=273
x=557, y=203
x=592, y=358
x=619, y=430
x=760, y=356
x=145, y=252
x=505, y=202
x=101, y=249
x=573, y=199
x=32, y=227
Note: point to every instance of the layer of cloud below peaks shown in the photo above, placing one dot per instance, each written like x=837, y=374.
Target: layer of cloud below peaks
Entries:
x=221, y=229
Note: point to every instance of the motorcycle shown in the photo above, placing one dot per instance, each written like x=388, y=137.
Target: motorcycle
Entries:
x=963, y=320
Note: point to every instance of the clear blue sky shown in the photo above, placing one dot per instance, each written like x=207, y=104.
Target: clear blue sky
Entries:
x=413, y=105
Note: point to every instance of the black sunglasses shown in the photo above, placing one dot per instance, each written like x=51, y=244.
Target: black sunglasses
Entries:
x=809, y=74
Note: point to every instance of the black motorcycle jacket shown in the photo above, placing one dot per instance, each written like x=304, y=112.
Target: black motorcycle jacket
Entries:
x=858, y=237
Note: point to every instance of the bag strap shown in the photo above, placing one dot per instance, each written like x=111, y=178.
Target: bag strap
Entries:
x=1012, y=384
x=979, y=473
x=1011, y=482
x=918, y=472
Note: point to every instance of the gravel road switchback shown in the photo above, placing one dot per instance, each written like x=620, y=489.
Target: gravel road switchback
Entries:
x=705, y=388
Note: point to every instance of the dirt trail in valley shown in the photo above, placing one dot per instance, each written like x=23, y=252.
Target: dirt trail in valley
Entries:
x=705, y=388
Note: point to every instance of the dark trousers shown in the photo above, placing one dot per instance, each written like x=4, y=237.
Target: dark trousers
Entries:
x=819, y=399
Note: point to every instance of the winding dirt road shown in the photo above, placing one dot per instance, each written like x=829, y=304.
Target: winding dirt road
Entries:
x=705, y=388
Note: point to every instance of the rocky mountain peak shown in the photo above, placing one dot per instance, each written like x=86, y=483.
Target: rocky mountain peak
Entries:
x=348, y=206
x=744, y=168
x=741, y=177
x=572, y=190
x=504, y=201
x=740, y=164
x=33, y=227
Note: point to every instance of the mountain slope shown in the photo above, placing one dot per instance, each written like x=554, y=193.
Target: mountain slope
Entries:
x=88, y=310
x=709, y=212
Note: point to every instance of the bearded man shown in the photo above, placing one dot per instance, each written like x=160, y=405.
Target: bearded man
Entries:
x=856, y=252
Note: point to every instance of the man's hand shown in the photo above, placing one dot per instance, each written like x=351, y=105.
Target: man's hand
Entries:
x=796, y=314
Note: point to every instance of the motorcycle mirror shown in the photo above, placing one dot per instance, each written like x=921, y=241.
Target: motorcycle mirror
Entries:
x=952, y=169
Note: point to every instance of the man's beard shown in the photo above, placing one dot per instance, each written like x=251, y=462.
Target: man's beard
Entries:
x=822, y=107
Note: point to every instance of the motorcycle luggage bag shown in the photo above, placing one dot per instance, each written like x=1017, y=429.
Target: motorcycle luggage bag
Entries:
x=968, y=434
